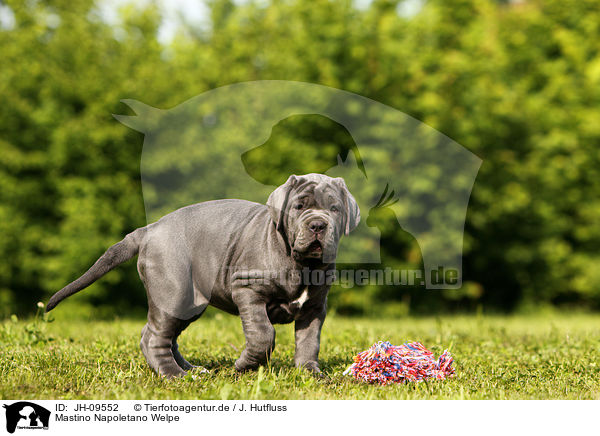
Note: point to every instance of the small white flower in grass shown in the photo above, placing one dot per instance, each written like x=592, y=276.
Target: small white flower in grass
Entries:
x=197, y=371
x=40, y=305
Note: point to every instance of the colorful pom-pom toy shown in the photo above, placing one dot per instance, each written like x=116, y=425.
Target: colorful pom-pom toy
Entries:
x=385, y=363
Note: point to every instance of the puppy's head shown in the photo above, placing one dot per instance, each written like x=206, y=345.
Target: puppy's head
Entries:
x=312, y=212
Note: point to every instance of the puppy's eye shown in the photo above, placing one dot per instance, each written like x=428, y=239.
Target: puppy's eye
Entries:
x=334, y=209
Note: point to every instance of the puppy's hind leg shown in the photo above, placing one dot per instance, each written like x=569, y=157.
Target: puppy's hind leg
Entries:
x=164, y=266
x=158, y=341
x=183, y=364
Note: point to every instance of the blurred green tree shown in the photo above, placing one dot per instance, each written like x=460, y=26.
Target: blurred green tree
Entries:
x=517, y=83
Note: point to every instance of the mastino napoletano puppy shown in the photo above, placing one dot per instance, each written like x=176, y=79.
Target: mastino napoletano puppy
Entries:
x=248, y=259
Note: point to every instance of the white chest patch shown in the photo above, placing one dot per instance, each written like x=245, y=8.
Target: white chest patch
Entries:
x=301, y=299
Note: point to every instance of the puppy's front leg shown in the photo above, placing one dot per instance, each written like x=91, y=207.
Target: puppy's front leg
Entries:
x=259, y=332
x=308, y=338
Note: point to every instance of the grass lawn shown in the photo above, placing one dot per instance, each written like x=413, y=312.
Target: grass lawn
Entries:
x=517, y=357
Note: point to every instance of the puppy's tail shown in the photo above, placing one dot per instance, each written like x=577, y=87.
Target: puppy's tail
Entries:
x=115, y=255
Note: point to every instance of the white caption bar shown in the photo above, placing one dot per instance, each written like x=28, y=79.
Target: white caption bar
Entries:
x=77, y=417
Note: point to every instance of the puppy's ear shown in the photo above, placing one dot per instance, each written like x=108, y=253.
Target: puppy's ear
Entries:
x=352, y=210
x=277, y=203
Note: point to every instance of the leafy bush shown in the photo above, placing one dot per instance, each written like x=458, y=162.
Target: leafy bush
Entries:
x=517, y=83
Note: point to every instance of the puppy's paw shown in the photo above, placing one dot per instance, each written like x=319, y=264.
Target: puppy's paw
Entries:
x=243, y=365
x=312, y=367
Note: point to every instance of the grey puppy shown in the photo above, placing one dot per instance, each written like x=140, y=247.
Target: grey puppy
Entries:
x=269, y=264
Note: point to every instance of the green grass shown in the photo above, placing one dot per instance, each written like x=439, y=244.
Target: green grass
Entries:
x=518, y=357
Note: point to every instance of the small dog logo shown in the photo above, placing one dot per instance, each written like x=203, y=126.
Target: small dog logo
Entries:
x=26, y=415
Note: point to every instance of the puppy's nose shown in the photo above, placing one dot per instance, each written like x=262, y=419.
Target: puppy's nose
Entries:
x=317, y=226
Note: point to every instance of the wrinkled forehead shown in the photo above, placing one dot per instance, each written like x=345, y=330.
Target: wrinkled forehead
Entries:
x=322, y=192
